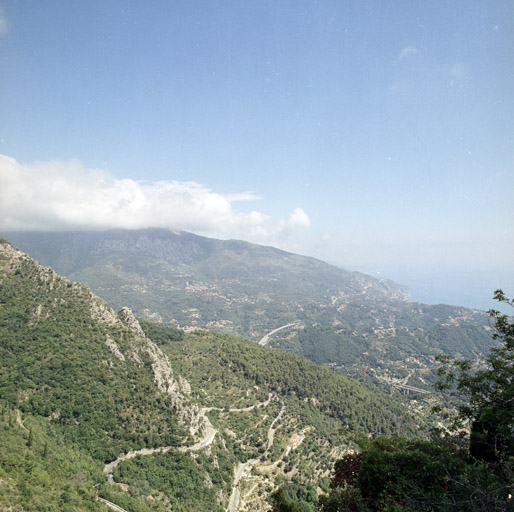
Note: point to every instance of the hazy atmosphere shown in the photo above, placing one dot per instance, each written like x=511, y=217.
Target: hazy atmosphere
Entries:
x=378, y=136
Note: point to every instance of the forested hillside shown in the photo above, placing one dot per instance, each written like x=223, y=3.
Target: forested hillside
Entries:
x=234, y=362
x=81, y=386
x=230, y=375
x=66, y=356
x=356, y=323
x=78, y=386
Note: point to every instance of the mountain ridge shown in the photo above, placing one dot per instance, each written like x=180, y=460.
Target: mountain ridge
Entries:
x=44, y=301
x=176, y=247
x=358, y=324
x=86, y=381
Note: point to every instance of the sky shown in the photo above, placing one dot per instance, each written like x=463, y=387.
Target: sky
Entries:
x=375, y=135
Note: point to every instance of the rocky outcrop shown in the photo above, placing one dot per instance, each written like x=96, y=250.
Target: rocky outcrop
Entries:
x=176, y=388
x=125, y=338
x=128, y=317
x=138, y=348
x=113, y=347
x=10, y=258
x=102, y=312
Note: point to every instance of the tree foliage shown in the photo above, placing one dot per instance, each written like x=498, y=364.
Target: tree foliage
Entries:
x=55, y=363
x=489, y=389
x=395, y=474
x=446, y=473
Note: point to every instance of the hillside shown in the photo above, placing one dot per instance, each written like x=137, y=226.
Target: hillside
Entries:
x=193, y=280
x=201, y=421
x=358, y=324
x=280, y=415
x=67, y=356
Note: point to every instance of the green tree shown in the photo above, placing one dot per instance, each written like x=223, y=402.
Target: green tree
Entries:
x=446, y=473
x=489, y=390
x=280, y=503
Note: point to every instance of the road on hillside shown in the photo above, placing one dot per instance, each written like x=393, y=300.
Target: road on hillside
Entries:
x=235, y=497
x=265, y=339
x=109, y=468
x=210, y=433
x=252, y=407
x=271, y=431
x=111, y=505
x=233, y=503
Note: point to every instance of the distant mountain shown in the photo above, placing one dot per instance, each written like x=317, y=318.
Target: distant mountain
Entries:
x=81, y=385
x=158, y=268
x=346, y=319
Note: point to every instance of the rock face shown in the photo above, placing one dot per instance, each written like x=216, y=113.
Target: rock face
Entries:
x=128, y=317
x=102, y=312
x=10, y=258
x=127, y=340
x=113, y=347
x=140, y=348
x=164, y=377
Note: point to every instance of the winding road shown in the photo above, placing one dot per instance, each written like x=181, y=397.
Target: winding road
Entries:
x=111, y=505
x=242, y=468
x=271, y=431
x=210, y=434
x=236, y=492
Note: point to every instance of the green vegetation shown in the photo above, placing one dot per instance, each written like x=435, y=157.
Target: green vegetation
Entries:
x=78, y=376
x=394, y=474
x=161, y=334
x=56, y=364
x=292, y=497
x=232, y=374
x=225, y=362
x=452, y=471
x=349, y=320
x=40, y=471
x=68, y=402
x=489, y=392
x=77, y=389
x=179, y=477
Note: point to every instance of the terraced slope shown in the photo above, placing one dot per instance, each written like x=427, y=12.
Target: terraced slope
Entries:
x=82, y=386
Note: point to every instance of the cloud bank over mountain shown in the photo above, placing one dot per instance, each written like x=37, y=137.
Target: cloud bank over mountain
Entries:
x=67, y=195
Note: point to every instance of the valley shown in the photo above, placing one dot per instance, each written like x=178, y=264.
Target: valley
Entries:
x=198, y=420
x=359, y=325
x=171, y=416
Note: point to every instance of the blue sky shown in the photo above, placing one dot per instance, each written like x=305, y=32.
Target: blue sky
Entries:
x=375, y=135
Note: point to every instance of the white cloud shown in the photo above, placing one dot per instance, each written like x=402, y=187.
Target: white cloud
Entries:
x=406, y=52
x=299, y=218
x=4, y=25
x=67, y=195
